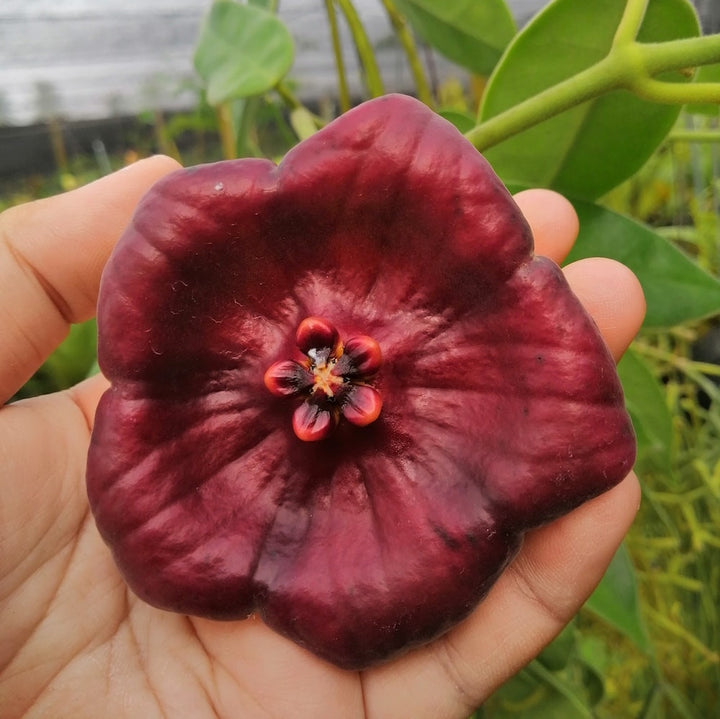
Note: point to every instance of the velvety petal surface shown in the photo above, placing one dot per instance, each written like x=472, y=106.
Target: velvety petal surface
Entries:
x=501, y=407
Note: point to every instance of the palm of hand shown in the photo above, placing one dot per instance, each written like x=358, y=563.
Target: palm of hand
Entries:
x=76, y=643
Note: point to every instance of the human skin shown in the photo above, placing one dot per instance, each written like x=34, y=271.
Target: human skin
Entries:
x=74, y=642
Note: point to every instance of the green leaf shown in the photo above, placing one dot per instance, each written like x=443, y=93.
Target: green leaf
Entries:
x=556, y=655
x=676, y=289
x=591, y=148
x=303, y=122
x=596, y=657
x=538, y=693
x=681, y=704
x=650, y=415
x=242, y=51
x=615, y=600
x=462, y=120
x=470, y=33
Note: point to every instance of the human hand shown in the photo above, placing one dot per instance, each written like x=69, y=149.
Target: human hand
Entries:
x=74, y=642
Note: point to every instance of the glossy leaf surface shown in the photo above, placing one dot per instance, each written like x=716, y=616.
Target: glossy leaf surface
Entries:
x=470, y=33
x=650, y=415
x=585, y=151
x=242, y=51
x=501, y=408
x=616, y=600
x=676, y=288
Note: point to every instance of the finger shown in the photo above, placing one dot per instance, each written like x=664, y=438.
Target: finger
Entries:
x=539, y=593
x=553, y=221
x=609, y=291
x=51, y=254
x=612, y=295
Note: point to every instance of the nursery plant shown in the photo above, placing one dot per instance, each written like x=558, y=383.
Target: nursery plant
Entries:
x=579, y=101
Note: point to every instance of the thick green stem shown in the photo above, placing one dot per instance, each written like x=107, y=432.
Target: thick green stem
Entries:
x=630, y=22
x=629, y=65
x=710, y=136
x=343, y=91
x=675, y=93
x=364, y=48
x=680, y=54
x=408, y=44
x=602, y=77
x=226, y=130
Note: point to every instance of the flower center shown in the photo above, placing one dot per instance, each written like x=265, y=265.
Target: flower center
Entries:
x=332, y=380
x=325, y=380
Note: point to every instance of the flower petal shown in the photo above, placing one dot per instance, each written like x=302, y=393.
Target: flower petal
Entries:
x=312, y=423
x=364, y=354
x=315, y=333
x=361, y=405
x=287, y=378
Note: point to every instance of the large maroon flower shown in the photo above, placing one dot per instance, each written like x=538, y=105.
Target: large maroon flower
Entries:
x=342, y=388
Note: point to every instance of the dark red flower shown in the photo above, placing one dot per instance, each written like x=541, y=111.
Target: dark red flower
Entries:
x=376, y=292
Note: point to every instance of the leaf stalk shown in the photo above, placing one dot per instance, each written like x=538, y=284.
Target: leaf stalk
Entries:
x=629, y=65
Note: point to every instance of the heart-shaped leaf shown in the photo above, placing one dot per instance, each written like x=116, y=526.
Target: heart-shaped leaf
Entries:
x=242, y=51
x=470, y=33
x=585, y=151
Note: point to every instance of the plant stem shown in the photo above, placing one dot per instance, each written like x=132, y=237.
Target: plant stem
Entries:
x=408, y=43
x=694, y=136
x=630, y=22
x=364, y=48
x=676, y=93
x=629, y=65
x=295, y=105
x=243, y=114
x=287, y=96
x=596, y=80
x=343, y=91
x=228, y=140
x=682, y=633
x=687, y=52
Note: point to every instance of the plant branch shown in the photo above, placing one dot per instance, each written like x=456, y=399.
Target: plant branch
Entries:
x=695, y=136
x=676, y=93
x=287, y=96
x=630, y=22
x=343, y=91
x=405, y=37
x=628, y=65
x=596, y=80
x=680, y=54
x=226, y=130
x=293, y=103
x=364, y=48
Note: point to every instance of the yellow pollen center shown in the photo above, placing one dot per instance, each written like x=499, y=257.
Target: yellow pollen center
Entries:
x=325, y=380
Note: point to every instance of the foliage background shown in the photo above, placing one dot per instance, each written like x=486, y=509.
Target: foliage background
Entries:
x=645, y=179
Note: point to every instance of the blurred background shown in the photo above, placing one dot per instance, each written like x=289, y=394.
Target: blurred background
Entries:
x=96, y=71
